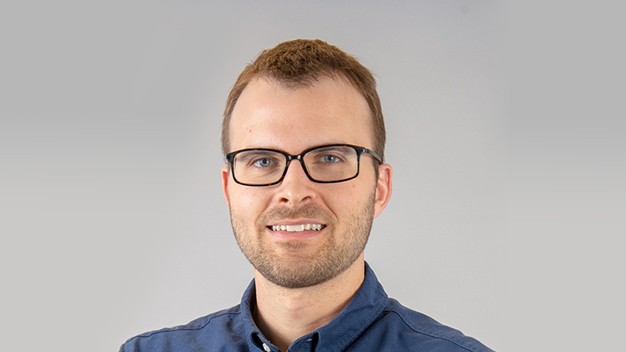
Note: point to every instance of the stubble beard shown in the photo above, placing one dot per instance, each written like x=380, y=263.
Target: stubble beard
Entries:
x=298, y=263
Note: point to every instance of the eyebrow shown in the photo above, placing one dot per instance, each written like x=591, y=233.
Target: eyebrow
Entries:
x=306, y=148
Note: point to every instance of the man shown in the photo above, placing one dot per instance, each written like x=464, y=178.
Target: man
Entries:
x=303, y=134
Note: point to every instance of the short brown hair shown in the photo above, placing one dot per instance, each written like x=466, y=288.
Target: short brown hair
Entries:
x=300, y=63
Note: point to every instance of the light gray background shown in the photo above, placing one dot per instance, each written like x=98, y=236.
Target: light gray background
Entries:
x=501, y=220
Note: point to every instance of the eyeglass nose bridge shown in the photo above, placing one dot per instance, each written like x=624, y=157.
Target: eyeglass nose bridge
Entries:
x=300, y=158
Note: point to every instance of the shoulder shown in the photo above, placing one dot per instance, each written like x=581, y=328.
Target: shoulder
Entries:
x=204, y=331
x=415, y=328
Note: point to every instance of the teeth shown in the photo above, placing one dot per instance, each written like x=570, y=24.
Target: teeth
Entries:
x=297, y=228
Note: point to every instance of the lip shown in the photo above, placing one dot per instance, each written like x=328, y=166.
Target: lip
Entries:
x=296, y=222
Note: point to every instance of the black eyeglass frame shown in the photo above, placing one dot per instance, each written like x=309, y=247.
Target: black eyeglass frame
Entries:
x=230, y=157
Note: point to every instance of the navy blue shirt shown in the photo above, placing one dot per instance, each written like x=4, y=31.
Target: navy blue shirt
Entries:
x=370, y=322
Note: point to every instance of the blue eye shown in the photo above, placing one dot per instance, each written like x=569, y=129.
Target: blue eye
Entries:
x=263, y=162
x=330, y=159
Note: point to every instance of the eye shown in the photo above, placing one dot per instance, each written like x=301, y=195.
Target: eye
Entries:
x=328, y=158
x=263, y=162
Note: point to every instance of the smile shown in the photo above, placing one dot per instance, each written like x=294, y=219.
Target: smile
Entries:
x=297, y=228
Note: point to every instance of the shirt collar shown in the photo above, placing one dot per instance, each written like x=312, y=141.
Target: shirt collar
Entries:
x=368, y=302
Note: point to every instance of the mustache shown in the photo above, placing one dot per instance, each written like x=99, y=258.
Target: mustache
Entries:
x=311, y=211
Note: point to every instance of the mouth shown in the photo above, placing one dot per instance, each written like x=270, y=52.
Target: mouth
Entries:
x=297, y=228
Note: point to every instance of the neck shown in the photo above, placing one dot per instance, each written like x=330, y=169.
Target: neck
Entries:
x=284, y=315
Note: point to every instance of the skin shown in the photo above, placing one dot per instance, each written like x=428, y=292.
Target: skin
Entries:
x=292, y=300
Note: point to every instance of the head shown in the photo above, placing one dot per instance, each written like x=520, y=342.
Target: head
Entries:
x=300, y=63
x=300, y=233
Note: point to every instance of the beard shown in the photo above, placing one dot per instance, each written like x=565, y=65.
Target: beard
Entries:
x=304, y=263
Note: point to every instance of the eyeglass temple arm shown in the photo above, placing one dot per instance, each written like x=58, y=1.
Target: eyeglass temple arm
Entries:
x=374, y=154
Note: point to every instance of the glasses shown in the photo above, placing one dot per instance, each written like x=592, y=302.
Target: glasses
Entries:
x=323, y=164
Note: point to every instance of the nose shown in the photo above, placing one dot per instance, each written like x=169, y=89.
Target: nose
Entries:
x=296, y=188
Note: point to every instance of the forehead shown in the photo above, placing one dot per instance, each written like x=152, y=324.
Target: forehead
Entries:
x=271, y=115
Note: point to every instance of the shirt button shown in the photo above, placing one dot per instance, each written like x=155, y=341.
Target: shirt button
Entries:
x=266, y=348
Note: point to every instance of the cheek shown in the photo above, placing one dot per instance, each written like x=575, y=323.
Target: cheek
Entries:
x=343, y=198
x=246, y=203
x=357, y=195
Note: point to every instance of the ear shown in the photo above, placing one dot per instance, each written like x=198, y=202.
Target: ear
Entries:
x=225, y=177
x=383, y=188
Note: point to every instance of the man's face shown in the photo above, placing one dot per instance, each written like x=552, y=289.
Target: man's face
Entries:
x=268, y=115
